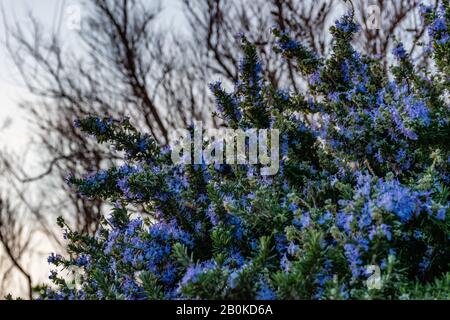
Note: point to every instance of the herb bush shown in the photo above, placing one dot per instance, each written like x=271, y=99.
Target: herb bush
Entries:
x=365, y=183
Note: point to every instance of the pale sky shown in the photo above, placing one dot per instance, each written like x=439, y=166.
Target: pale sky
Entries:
x=11, y=89
x=53, y=15
x=15, y=137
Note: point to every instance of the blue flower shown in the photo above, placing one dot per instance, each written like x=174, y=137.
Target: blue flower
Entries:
x=53, y=274
x=366, y=217
x=399, y=51
x=324, y=218
x=81, y=260
x=444, y=39
x=344, y=221
x=101, y=125
x=417, y=109
x=293, y=207
x=280, y=242
x=424, y=9
x=441, y=213
x=54, y=259
x=169, y=274
x=195, y=270
x=395, y=198
x=315, y=78
x=418, y=234
x=292, y=248
x=354, y=259
x=265, y=292
x=233, y=279
x=346, y=24
x=386, y=230
x=287, y=45
x=143, y=145
x=438, y=24
x=426, y=261
x=305, y=220
x=210, y=213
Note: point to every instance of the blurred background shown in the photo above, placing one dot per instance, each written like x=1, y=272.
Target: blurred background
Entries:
x=146, y=59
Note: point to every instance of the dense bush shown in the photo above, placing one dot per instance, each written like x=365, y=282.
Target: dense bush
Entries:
x=362, y=183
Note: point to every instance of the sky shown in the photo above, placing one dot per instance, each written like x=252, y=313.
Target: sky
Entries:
x=54, y=15
x=14, y=137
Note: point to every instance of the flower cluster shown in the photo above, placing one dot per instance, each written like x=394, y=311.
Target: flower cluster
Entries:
x=363, y=182
x=439, y=33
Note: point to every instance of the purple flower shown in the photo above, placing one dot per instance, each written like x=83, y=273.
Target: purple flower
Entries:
x=210, y=213
x=346, y=24
x=324, y=218
x=379, y=157
x=444, y=39
x=285, y=264
x=54, y=259
x=354, y=259
x=395, y=198
x=417, y=109
x=233, y=279
x=143, y=145
x=292, y=248
x=265, y=292
x=101, y=125
x=441, y=213
x=305, y=220
x=399, y=51
x=386, y=230
x=195, y=270
x=53, y=274
x=438, y=24
x=293, y=207
x=423, y=9
x=315, y=78
x=81, y=260
x=344, y=220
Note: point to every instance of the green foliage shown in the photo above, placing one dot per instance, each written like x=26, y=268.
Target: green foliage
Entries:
x=358, y=210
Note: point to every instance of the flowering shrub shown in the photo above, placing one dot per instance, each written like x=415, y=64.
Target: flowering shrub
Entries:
x=363, y=184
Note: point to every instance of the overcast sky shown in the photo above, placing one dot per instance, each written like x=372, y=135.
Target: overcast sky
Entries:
x=11, y=90
x=53, y=14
